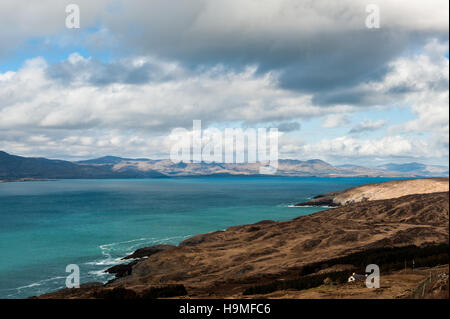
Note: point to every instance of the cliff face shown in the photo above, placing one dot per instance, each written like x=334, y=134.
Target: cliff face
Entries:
x=223, y=263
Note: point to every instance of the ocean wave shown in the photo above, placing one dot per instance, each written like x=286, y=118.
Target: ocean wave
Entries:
x=99, y=273
x=114, y=253
x=19, y=290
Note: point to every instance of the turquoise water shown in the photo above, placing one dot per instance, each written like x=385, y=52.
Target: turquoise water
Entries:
x=44, y=226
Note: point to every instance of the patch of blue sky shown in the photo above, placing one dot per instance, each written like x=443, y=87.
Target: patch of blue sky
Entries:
x=56, y=48
x=393, y=115
x=313, y=130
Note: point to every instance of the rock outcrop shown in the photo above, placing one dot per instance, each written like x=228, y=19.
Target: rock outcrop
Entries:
x=379, y=191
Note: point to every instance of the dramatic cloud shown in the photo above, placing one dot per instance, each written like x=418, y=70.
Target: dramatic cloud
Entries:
x=315, y=45
x=154, y=66
x=78, y=94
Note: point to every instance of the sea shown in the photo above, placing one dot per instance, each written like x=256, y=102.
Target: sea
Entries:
x=47, y=225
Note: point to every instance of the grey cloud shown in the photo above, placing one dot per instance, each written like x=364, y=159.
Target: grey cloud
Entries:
x=98, y=73
x=364, y=96
x=340, y=61
x=288, y=126
x=317, y=47
x=326, y=50
x=367, y=126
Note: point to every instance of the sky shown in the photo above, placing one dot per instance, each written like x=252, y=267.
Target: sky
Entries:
x=134, y=71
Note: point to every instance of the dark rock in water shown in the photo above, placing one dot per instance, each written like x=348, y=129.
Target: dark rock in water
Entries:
x=148, y=251
x=121, y=270
x=322, y=200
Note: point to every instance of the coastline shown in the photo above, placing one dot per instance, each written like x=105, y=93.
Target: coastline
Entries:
x=223, y=263
x=323, y=200
x=25, y=180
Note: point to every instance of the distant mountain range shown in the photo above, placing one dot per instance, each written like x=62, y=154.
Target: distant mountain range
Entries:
x=416, y=168
x=25, y=168
x=16, y=167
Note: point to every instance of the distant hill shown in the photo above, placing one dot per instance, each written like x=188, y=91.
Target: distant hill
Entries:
x=286, y=167
x=110, y=160
x=16, y=167
x=418, y=169
x=105, y=160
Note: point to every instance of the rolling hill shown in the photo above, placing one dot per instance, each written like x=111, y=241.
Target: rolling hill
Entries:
x=14, y=167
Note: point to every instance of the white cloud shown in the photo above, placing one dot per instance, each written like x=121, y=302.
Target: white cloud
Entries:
x=369, y=149
x=31, y=99
x=83, y=119
x=336, y=120
x=80, y=118
x=428, y=76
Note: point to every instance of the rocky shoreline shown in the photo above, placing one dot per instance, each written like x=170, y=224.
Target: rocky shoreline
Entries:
x=228, y=263
x=123, y=270
x=322, y=200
